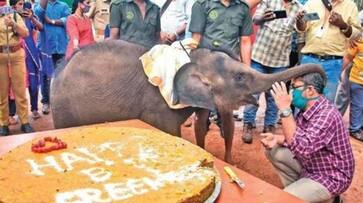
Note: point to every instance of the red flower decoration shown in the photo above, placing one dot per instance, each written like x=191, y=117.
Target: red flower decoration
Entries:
x=40, y=147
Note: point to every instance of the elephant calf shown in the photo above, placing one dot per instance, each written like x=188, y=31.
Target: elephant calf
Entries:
x=106, y=82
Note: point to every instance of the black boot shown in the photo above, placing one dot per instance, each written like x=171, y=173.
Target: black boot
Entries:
x=4, y=130
x=247, y=133
x=26, y=128
x=269, y=129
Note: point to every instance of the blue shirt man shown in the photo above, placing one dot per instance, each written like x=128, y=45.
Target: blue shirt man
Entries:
x=52, y=41
x=55, y=16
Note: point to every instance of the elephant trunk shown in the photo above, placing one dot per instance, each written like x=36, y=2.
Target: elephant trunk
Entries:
x=265, y=81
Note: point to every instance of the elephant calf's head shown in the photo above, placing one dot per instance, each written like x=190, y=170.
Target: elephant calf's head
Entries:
x=217, y=80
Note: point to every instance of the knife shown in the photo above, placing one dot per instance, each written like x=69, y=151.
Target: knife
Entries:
x=234, y=177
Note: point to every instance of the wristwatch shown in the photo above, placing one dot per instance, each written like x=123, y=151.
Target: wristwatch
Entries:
x=285, y=113
x=346, y=29
x=53, y=22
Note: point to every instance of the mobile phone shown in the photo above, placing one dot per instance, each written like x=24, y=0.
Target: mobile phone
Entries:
x=311, y=16
x=280, y=14
x=27, y=5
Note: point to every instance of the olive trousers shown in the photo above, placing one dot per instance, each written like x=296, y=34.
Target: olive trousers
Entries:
x=15, y=75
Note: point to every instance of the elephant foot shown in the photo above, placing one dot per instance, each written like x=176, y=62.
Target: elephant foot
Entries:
x=228, y=158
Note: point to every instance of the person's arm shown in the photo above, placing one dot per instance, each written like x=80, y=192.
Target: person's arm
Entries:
x=61, y=21
x=245, y=33
x=245, y=49
x=300, y=22
x=92, y=11
x=115, y=21
x=17, y=27
x=197, y=22
x=270, y=140
x=197, y=37
x=253, y=3
x=158, y=28
x=40, y=11
x=283, y=101
x=337, y=20
x=36, y=23
x=73, y=32
x=347, y=60
x=263, y=14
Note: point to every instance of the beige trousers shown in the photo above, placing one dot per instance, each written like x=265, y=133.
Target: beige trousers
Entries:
x=17, y=60
x=289, y=170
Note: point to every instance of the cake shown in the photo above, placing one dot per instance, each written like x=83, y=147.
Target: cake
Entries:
x=108, y=164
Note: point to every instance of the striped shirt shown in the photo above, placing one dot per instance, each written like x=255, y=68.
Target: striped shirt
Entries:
x=321, y=145
x=273, y=41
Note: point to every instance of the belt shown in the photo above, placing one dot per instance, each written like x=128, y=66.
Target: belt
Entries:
x=10, y=49
x=326, y=57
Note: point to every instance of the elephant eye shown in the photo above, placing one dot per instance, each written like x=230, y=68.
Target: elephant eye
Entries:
x=239, y=77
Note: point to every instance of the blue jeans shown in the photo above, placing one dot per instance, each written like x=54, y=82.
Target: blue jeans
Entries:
x=249, y=114
x=332, y=70
x=356, y=107
x=46, y=80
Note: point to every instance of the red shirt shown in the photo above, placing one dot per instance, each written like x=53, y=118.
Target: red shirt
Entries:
x=81, y=29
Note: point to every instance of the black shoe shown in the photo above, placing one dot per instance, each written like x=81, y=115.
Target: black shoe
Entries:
x=26, y=128
x=4, y=130
x=337, y=199
x=45, y=109
x=269, y=129
x=357, y=135
x=247, y=133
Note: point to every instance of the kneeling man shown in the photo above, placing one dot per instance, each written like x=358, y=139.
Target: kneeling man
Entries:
x=313, y=157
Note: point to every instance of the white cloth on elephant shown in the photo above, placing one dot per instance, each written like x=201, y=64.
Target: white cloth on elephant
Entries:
x=161, y=64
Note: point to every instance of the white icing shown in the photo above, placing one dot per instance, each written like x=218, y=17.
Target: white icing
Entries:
x=70, y=158
x=85, y=195
x=129, y=161
x=115, y=191
x=97, y=159
x=50, y=162
x=112, y=146
x=118, y=191
x=147, y=154
x=134, y=187
x=97, y=174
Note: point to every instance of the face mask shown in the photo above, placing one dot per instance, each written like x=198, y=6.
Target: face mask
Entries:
x=298, y=100
x=86, y=8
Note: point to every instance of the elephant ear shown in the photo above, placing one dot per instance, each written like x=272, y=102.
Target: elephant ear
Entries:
x=192, y=88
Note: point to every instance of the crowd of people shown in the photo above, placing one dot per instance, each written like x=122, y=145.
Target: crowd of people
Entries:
x=268, y=35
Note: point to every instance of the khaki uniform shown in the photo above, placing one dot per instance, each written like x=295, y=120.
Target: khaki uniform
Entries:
x=16, y=72
x=100, y=15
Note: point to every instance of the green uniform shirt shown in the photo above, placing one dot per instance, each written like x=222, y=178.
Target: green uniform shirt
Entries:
x=69, y=3
x=126, y=16
x=221, y=26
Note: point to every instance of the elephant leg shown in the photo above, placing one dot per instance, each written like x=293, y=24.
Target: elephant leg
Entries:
x=228, y=130
x=200, y=126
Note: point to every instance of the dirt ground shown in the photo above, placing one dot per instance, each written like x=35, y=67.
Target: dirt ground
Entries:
x=248, y=157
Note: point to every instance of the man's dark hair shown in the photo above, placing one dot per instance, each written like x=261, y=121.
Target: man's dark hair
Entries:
x=13, y=2
x=315, y=80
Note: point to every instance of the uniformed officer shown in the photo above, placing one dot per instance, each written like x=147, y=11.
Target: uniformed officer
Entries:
x=223, y=24
x=136, y=21
x=100, y=15
x=12, y=64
